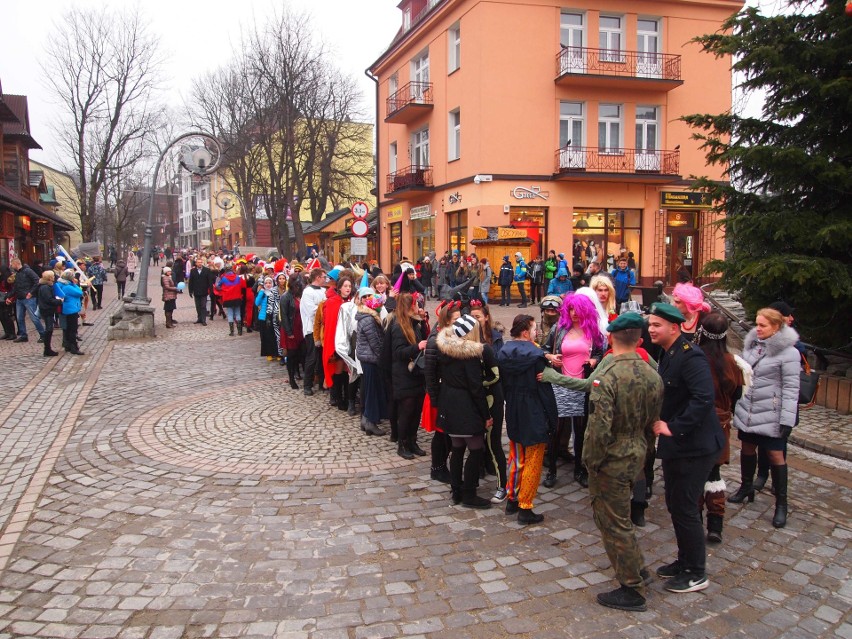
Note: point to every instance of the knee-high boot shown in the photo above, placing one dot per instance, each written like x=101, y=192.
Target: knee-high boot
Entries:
x=748, y=464
x=456, y=465
x=231, y=326
x=292, y=363
x=240, y=327
x=340, y=381
x=48, y=351
x=779, y=483
x=169, y=321
x=471, y=476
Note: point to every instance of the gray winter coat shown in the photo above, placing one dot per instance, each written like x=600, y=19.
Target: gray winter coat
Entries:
x=772, y=399
x=368, y=347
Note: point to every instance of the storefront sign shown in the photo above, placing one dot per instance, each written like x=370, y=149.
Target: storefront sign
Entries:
x=455, y=198
x=684, y=200
x=508, y=233
x=421, y=212
x=12, y=253
x=394, y=213
x=523, y=193
x=676, y=218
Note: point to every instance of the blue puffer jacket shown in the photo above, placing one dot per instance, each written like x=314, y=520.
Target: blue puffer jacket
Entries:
x=72, y=295
x=560, y=287
x=623, y=280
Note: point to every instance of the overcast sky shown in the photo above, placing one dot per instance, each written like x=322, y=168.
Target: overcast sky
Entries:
x=195, y=38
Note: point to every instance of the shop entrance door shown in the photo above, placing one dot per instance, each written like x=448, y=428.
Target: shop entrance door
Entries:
x=681, y=249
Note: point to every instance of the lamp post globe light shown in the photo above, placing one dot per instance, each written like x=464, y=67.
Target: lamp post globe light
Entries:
x=224, y=201
x=199, y=154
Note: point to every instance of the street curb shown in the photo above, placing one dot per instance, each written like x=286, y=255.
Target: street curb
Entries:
x=826, y=448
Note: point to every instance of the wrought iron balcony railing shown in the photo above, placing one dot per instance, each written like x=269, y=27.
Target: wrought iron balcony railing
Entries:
x=616, y=63
x=416, y=176
x=588, y=159
x=413, y=93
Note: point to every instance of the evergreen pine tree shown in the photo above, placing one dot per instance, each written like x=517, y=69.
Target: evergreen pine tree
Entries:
x=789, y=199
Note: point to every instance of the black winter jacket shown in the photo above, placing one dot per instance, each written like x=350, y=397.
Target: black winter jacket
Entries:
x=462, y=404
x=405, y=383
x=506, y=275
x=369, y=338
x=531, y=413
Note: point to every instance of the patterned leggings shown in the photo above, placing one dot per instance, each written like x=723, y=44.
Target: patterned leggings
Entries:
x=524, y=472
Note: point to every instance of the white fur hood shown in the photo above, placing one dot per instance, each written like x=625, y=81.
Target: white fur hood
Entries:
x=456, y=347
x=783, y=339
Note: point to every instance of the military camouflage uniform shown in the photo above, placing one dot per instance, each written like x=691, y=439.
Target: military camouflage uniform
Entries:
x=624, y=403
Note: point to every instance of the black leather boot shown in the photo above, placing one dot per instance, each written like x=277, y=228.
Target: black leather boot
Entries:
x=456, y=465
x=471, y=478
x=48, y=351
x=748, y=464
x=714, y=528
x=779, y=482
x=231, y=326
x=240, y=328
x=637, y=513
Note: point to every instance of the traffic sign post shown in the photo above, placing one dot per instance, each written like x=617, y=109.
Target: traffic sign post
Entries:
x=360, y=210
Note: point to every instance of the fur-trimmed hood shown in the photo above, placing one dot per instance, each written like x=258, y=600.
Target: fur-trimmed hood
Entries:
x=456, y=347
x=783, y=339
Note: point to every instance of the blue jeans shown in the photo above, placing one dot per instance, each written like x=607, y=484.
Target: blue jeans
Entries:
x=24, y=307
x=233, y=313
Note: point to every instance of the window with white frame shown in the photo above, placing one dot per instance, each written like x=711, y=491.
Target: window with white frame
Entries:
x=609, y=128
x=454, y=142
x=420, y=148
x=393, y=84
x=611, y=37
x=647, y=138
x=572, y=126
x=454, y=48
x=419, y=76
x=572, y=37
x=406, y=18
x=649, y=62
x=392, y=157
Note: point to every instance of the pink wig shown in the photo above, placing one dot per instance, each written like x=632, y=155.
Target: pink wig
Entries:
x=692, y=298
x=587, y=316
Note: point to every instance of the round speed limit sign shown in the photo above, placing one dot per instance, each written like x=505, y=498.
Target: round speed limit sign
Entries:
x=360, y=209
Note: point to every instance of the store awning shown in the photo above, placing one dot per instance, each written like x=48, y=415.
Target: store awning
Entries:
x=19, y=204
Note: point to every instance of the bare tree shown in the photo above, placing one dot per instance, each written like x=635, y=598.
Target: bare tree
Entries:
x=103, y=69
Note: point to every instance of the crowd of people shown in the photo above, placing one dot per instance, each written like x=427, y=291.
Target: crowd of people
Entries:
x=589, y=381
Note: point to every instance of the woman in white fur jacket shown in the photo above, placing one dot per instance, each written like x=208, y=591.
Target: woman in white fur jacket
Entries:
x=766, y=414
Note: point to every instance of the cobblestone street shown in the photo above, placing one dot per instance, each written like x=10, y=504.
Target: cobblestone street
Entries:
x=179, y=488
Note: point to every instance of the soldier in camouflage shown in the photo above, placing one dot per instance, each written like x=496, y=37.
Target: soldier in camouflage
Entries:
x=625, y=401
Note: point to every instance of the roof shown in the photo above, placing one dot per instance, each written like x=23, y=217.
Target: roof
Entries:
x=48, y=197
x=6, y=114
x=327, y=220
x=19, y=204
x=21, y=128
x=36, y=177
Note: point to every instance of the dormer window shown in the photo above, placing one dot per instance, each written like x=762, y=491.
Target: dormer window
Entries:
x=406, y=18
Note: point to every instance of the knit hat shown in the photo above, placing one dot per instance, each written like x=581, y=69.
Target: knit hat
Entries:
x=335, y=273
x=167, y=269
x=464, y=325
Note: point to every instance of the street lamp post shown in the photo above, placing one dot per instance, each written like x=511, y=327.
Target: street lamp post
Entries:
x=200, y=157
x=226, y=205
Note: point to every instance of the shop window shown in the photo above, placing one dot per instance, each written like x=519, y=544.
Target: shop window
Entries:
x=458, y=231
x=395, y=242
x=606, y=234
x=422, y=237
x=533, y=221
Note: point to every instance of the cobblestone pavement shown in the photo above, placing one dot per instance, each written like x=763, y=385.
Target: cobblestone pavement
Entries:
x=178, y=488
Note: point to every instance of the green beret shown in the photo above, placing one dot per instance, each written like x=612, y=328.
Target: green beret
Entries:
x=625, y=321
x=667, y=312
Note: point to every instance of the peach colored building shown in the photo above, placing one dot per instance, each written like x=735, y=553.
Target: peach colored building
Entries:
x=538, y=124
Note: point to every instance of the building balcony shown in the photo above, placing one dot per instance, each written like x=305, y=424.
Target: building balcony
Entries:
x=409, y=103
x=586, y=162
x=409, y=182
x=582, y=66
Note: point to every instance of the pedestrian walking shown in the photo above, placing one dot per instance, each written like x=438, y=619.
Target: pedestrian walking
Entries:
x=120, y=275
x=133, y=264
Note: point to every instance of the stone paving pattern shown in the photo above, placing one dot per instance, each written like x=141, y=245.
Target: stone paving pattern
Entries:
x=178, y=488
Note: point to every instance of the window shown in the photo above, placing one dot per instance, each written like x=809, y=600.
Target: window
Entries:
x=395, y=241
x=572, y=58
x=393, y=84
x=419, y=76
x=420, y=147
x=648, y=63
x=454, y=146
x=406, y=18
x=611, y=38
x=572, y=126
x=609, y=128
x=647, y=130
x=458, y=231
x=392, y=153
x=454, y=44
x=604, y=234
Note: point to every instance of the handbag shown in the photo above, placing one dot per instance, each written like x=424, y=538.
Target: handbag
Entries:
x=418, y=362
x=808, y=383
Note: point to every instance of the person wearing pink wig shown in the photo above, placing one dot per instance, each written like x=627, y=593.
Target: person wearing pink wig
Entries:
x=689, y=300
x=574, y=347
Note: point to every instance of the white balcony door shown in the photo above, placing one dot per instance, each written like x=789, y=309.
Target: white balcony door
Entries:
x=420, y=148
x=611, y=39
x=392, y=161
x=419, y=77
x=649, y=63
x=572, y=126
x=572, y=38
x=647, y=132
x=609, y=128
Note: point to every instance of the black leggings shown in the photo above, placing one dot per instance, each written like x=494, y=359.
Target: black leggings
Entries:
x=578, y=426
x=474, y=442
x=408, y=411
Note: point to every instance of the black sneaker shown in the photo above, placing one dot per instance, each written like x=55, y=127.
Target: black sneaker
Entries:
x=623, y=598
x=511, y=507
x=550, y=480
x=670, y=570
x=526, y=516
x=687, y=581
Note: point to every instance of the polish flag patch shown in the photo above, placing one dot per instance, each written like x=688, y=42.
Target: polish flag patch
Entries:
x=596, y=382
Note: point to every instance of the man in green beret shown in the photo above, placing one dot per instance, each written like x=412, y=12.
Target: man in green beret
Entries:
x=690, y=439
x=625, y=398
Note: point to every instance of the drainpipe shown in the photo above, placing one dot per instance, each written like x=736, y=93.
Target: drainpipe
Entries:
x=378, y=173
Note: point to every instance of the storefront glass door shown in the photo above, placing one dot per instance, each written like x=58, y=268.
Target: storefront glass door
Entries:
x=680, y=255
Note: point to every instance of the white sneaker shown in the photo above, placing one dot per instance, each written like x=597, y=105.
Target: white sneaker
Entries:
x=499, y=496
